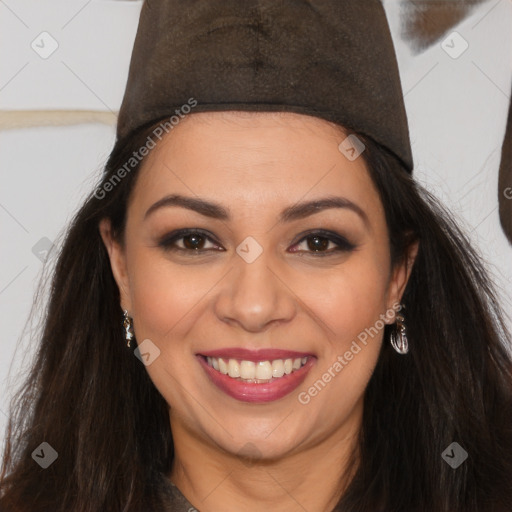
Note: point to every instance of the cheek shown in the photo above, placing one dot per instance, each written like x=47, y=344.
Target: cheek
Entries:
x=350, y=304
x=166, y=302
x=164, y=295
x=349, y=299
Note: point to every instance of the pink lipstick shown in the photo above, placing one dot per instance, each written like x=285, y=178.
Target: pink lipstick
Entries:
x=256, y=376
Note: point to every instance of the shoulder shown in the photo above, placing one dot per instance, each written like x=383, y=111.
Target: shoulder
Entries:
x=168, y=497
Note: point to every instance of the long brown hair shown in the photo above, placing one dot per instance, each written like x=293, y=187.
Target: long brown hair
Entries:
x=90, y=399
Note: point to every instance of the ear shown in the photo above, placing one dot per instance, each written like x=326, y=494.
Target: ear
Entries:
x=400, y=277
x=117, y=262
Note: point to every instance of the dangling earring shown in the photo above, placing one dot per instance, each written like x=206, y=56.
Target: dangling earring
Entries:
x=128, y=327
x=399, y=335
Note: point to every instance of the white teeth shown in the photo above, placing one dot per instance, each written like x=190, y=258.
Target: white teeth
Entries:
x=247, y=369
x=223, y=366
x=263, y=370
x=233, y=368
x=277, y=368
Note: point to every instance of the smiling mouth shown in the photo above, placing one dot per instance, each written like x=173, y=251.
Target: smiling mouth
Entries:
x=255, y=372
x=256, y=376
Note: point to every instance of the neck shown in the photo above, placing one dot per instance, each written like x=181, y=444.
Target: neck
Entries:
x=311, y=479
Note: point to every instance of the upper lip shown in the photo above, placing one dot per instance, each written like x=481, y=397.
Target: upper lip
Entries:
x=264, y=354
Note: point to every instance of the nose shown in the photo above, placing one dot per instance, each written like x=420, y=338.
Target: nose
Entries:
x=255, y=295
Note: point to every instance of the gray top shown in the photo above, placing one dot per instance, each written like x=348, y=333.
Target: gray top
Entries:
x=172, y=498
x=174, y=501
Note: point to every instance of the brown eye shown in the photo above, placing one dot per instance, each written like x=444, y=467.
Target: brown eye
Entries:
x=323, y=244
x=194, y=242
x=189, y=240
x=317, y=243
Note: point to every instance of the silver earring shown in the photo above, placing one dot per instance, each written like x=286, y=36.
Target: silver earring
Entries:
x=399, y=335
x=128, y=328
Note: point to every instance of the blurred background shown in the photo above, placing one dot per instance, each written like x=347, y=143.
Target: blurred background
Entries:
x=63, y=68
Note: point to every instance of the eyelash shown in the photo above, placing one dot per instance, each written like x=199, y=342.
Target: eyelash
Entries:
x=343, y=245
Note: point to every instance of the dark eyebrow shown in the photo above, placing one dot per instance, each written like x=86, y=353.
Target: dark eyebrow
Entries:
x=206, y=208
x=305, y=209
x=294, y=212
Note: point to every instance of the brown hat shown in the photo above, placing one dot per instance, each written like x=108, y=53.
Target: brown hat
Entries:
x=505, y=179
x=333, y=59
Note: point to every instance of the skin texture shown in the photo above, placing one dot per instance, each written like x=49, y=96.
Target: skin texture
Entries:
x=284, y=455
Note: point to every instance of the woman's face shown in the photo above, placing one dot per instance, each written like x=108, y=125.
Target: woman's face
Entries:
x=287, y=297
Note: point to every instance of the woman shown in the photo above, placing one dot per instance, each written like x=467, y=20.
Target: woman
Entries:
x=226, y=328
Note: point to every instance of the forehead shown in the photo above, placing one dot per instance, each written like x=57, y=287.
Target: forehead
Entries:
x=248, y=158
